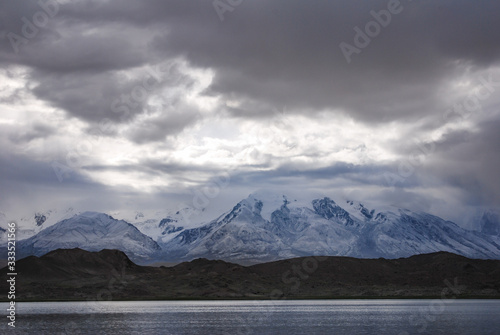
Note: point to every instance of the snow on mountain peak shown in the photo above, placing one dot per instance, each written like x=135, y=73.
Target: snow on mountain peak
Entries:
x=328, y=209
x=32, y=223
x=366, y=214
x=268, y=226
x=253, y=204
x=272, y=201
x=95, y=215
x=91, y=231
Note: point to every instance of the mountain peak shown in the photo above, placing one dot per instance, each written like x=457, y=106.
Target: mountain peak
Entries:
x=95, y=215
x=40, y=219
x=91, y=231
x=360, y=208
x=328, y=209
x=253, y=204
x=270, y=226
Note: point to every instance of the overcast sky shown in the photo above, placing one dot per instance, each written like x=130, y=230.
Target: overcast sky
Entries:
x=114, y=104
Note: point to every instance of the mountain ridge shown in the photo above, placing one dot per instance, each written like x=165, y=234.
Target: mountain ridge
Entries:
x=327, y=229
x=263, y=228
x=110, y=275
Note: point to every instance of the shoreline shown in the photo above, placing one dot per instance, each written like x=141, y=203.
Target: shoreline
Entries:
x=265, y=299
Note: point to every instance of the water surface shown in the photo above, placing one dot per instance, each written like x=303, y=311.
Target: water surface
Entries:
x=399, y=317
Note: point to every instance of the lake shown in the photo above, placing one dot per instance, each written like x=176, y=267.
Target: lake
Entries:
x=398, y=317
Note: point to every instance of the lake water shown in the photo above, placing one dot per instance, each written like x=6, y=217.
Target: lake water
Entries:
x=398, y=317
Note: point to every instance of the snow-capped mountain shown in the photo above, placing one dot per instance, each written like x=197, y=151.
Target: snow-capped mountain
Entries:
x=235, y=235
x=162, y=225
x=93, y=232
x=32, y=223
x=324, y=228
x=265, y=227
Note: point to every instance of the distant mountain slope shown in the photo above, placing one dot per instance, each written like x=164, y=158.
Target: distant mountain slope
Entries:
x=109, y=275
x=93, y=232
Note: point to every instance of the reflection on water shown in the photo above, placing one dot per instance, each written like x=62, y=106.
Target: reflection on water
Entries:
x=398, y=317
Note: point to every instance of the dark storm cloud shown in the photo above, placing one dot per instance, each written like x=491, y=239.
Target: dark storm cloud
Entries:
x=77, y=50
x=74, y=62
x=470, y=161
x=94, y=97
x=336, y=176
x=46, y=38
x=287, y=53
x=27, y=183
x=170, y=122
x=271, y=53
x=265, y=55
x=18, y=170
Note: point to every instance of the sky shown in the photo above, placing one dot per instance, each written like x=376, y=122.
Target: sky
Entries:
x=151, y=104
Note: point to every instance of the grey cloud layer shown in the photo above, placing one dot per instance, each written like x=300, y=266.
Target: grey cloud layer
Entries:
x=267, y=55
x=278, y=53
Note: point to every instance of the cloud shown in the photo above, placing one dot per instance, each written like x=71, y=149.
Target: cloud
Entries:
x=469, y=161
x=292, y=57
x=38, y=131
x=165, y=95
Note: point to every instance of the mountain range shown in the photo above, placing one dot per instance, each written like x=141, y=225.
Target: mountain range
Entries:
x=263, y=228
